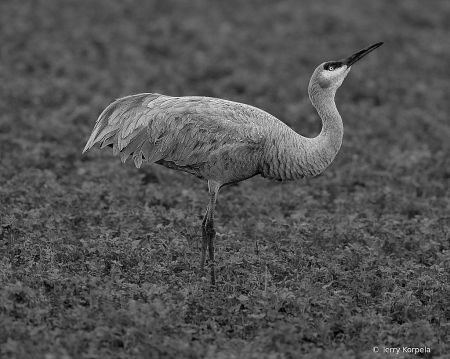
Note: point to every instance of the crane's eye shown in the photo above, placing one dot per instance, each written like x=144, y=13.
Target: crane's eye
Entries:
x=331, y=66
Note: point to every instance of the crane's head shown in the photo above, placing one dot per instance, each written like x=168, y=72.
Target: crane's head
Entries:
x=330, y=75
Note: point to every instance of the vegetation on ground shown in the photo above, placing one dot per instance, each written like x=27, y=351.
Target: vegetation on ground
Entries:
x=101, y=260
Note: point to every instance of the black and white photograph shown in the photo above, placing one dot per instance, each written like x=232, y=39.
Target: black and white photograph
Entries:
x=240, y=179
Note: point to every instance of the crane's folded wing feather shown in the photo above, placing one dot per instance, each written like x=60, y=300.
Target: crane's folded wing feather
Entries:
x=183, y=130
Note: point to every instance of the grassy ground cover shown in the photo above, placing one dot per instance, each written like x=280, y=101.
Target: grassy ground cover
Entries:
x=100, y=259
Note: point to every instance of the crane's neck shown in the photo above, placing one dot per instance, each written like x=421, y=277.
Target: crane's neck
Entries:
x=291, y=156
x=316, y=154
x=320, y=151
x=329, y=141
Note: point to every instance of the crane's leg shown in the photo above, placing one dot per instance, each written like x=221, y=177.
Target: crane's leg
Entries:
x=204, y=240
x=208, y=232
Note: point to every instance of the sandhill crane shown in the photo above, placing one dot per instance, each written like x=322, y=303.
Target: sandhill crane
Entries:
x=224, y=142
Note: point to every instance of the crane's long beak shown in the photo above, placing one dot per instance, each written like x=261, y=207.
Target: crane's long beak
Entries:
x=350, y=60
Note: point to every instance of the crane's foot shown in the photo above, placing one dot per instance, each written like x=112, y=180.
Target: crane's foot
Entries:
x=212, y=270
x=203, y=258
x=213, y=274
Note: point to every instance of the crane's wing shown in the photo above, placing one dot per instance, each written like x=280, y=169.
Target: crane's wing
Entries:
x=184, y=130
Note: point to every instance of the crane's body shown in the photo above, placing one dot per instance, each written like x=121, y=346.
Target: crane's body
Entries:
x=222, y=141
x=214, y=139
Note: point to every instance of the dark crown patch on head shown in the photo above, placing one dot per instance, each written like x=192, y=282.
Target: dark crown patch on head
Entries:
x=332, y=64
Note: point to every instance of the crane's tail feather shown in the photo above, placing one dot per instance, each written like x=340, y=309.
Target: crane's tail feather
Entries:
x=107, y=142
x=123, y=126
x=119, y=116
